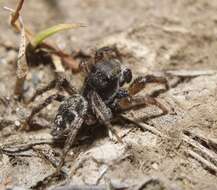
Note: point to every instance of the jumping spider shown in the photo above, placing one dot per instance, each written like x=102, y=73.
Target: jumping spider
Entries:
x=102, y=98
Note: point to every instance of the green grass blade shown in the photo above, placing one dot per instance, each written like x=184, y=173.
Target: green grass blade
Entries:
x=41, y=36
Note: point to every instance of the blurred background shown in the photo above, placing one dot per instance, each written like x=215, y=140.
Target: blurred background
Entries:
x=104, y=17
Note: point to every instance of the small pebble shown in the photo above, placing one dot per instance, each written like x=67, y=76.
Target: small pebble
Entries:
x=71, y=153
x=17, y=123
x=155, y=166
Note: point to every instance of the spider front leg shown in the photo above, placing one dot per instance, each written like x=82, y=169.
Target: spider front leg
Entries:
x=103, y=113
x=41, y=90
x=140, y=83
x=74, y=128
x=38, y=108
x=138, y=102
x=59, y=82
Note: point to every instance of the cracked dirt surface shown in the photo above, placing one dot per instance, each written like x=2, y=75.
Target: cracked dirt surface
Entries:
x=172, y=38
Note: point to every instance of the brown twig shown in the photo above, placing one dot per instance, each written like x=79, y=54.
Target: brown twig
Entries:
x=66, y=58
x=22, y=67
x=206, y=153
x=205, y=163
x=22, y=142
x=16, y=14
x=209, y=142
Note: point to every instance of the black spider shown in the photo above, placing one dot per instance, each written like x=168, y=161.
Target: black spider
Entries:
x=102, y=98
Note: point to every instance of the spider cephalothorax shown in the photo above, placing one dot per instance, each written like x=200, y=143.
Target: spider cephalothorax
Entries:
x=102, y=98
x=106, y=77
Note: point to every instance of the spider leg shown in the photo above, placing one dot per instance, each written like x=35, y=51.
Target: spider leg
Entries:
x=38, y=108
x=59, y=82
x=103, y=113
x=138, y=102
x=41, y=90
x=63, y=82
x=74, y=128
x=86, y=65
x=140, y=83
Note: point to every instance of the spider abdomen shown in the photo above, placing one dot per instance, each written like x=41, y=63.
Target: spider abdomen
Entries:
x=69, y=110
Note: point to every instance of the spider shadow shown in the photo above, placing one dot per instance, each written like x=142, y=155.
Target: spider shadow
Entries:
x=86, y=136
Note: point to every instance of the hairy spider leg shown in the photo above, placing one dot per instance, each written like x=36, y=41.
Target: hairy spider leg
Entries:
x=103, y=113
x=140, y=83
x=38, y=108
x=41, y=90
x=75, y=127
x=59, y=82
x=138, y=102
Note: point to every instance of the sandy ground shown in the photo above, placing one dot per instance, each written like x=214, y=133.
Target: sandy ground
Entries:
x=175, y=151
